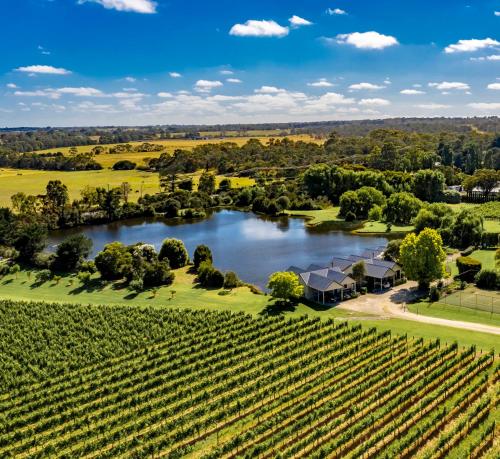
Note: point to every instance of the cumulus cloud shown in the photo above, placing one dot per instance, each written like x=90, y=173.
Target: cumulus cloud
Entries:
x=269, y=90
x=363, y=86
x=11, y=85
x=374, y=102
x=297, y=21
x=207, y=85
x=43, y=69
x=485, y=106
x=367, y=40
x=263, y=28
x=450, y=85
x=411, y=92
x=492, y=57
x=469, y=46
x=81, y=92
x=38, y=93
x=335, y=11
x=233, y=80
x=432, y=106
x=165, y=95
x=134, y=6
x=226, y=72
x=174, y=75
x=130, y=79
x=497, y=13
x=495, y=86
x=320, y=83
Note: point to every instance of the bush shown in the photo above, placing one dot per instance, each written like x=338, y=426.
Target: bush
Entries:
x=43, y=260
x=231, y=280
x=489, y=240
x=468, y=268
x=71, y=252
x=124, y=165
x=114, y=261
x=202, y=253
x=84, y=277
x=434, y=294
x=157, y=273
x=88, y=266
x=136, y=285
x=375, y=213
x=43, y=276
x=210, y=277
x=451, y=197
x=175, y=252
x=487, y=279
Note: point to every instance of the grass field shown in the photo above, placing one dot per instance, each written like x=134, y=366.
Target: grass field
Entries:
x=34, y=182
x=224, y=386
x=107, y=160
x=189, y=296
x=486, y=257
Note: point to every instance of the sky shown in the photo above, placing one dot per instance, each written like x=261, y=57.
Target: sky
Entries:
x=143, y=62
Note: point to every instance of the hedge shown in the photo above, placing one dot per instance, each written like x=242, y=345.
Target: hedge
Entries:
x=468, y=267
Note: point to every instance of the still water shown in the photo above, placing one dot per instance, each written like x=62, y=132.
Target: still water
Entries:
x=252, y=246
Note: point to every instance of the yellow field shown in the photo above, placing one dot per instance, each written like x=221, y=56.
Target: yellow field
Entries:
x=107, y=160
x=34, y=182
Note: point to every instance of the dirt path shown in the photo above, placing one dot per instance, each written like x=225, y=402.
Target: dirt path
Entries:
x=390, y=304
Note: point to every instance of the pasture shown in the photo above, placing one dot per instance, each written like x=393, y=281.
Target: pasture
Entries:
x=223, y=385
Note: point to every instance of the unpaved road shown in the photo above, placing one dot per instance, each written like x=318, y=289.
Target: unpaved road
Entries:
x=389, y=304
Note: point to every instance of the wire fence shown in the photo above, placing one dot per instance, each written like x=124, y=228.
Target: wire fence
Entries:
x=477, y=301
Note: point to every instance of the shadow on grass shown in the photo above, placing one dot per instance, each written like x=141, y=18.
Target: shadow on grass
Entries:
x=92, y=286
x=277, y=308
x=7, y=281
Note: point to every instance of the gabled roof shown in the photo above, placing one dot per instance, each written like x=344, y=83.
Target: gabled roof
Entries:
x=296, y=270
x=341, y=263
x=326, y=279
x=314, y=267
x=378, y=271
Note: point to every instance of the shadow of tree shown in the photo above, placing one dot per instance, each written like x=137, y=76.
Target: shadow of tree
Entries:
x=406, y=295
x=276, y=308
x=7, y=281
x=93, y=285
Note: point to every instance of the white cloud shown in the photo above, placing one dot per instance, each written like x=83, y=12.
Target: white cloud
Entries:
x=165, y=95
x=468, y=46
x=417, y=85
x=449, y=85
x=497, y=13
x=411, y=92
x=130, y=79
x=297, y=21
x=134, y=6
x=81, y=92
x=269, y=90
x=367, y=40
x=320, y=83
x=207, y=85
x=335, y=11
x=484, y=106
x=263, y=28
x=174, y=75
x=432, y=106
x=493, y=57
x=363, y=86
x=374, y=102
x=43, y=50
x=495, y=86
x=38, y=93
x=226, y=72
x=11, y=85
x=233, y=80
x=45, y=69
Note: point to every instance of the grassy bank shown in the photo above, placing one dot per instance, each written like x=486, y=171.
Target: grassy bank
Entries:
x=185, y=294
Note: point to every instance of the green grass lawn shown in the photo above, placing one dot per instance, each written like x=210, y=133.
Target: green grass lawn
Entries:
x=189, y=295
x=318, y=217
x=454, y=312
x=381, y=227
x=486, y=257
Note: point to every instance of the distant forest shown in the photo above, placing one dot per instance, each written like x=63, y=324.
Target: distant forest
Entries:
x=25, y=139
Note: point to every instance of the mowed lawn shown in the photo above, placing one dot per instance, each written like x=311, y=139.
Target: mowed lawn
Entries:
x=34, y=182
x=184, y=293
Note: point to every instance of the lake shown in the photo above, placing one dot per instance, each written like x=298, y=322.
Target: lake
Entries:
x=250, y=245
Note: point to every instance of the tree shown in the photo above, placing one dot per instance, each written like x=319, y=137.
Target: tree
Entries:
x=157, y=273
x=486, y=179
x=175, y=252
x=423, y=257
x=210, y=277
x=56, y=197
x=124, y=165
x=285, y=286
x=402, y=208
x=231, y=280
x=113, y=261
x=391, y=252
x=467, y=229
x=30, y=237
x=359, y=272
x=428, y=185
x=202, y=253
x=72, y=251
x=207, y=183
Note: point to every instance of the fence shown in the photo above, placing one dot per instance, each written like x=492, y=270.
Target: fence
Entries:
x=477, y=301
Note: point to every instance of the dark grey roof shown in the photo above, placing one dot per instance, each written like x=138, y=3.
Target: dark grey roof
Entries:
x=341, y=263
x=318, y=282
x=296, y=270
x=314, y=267
x=322, y=279
x=378, y=271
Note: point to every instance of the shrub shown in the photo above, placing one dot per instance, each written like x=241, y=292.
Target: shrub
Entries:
x=157, y=273
x=175, y=252
x=202, y=253
x=136, y=285
x=113, y=261
x=71, y=252
x=43, y=260
x=489, y=240
x=468, y=267
x=210, y=277
x=88, y=266
x=43, y=276
x=84, y=277
x=124, y=165
x=451, y=197
x=434, y=294
x=487, y=279
x=375, y=213
x=231, y=280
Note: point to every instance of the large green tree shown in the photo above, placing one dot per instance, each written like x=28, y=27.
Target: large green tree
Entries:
x=175, y=252
x=423, y=257
x=285, y=286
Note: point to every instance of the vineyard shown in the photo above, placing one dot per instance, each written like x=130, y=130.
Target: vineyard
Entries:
x=220, y=385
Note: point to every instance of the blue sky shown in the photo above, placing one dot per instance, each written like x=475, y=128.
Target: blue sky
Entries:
x=136, y=62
